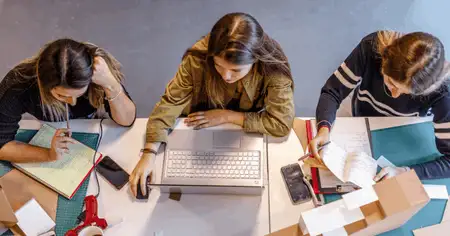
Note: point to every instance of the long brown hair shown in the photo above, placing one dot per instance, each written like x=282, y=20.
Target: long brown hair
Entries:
x=239, y=39
x=415, y=59
x=67, y=63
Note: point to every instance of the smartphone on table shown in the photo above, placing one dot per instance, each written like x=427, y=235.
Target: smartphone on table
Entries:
x=112, y=172
x=296, y=183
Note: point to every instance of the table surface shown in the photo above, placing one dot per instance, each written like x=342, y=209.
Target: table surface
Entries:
x=197, y=214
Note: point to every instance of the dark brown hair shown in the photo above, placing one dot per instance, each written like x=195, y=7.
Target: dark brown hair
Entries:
x=70, y=64
x=239, y=39
x=415, y=59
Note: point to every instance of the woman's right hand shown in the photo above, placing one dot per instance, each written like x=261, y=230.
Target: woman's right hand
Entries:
x=60, y=144
x=322, y=137
x=140, y=173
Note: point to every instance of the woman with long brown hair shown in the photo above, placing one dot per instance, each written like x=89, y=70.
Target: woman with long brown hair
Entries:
x=236, y=74
x=82, y=76
x=393, y=74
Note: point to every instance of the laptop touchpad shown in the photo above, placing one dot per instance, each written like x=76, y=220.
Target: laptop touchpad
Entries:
x=227, y=139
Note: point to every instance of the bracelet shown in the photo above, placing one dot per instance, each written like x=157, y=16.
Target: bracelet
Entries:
x=148, y=150
x=114, y=98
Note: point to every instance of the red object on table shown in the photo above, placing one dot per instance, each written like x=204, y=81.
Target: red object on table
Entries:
x=91, y=217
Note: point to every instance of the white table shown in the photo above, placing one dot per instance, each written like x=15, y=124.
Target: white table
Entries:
x=282, y=212
x=197, y=214
x=193, y=215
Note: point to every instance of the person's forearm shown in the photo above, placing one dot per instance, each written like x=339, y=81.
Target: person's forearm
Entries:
x=153, y=146
x=436, y=169
x=236, y=118
x=123, y=110
x=18, y=152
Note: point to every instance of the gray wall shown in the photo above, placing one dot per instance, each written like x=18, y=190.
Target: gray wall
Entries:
x=149, y=37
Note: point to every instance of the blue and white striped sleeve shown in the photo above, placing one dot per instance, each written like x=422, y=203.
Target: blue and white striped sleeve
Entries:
x=340, y=84
x=439, y=168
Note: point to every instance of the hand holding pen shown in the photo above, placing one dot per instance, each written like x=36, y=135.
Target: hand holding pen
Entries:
x=310, y=153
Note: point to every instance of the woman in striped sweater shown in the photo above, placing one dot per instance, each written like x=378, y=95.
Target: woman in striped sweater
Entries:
x=392, y=74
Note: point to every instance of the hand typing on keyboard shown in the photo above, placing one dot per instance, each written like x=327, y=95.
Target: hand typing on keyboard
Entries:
x=213, y=165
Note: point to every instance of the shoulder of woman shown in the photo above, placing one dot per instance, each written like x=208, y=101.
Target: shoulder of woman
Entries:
x=201, y=44
x=17, y=82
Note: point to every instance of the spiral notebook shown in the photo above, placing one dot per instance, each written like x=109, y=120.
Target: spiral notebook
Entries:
x=65, y=175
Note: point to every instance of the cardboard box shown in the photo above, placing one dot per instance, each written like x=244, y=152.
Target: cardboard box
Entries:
x=399, y=199
x=18, y=190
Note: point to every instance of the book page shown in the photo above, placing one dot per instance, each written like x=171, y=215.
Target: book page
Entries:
x=65, y=174
x=334, y=158
x=360, y=169
x=351, y=134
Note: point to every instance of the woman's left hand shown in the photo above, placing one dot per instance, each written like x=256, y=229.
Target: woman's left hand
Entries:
x=389, y=172
x=102, y=75
x=204, y=119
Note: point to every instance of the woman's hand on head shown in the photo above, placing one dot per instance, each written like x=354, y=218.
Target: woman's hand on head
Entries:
x=205, y=119
x=102, y=74
x=322, y=137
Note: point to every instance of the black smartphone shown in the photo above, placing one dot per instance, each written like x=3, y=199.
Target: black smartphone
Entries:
x=112, y=172
x=295, y=183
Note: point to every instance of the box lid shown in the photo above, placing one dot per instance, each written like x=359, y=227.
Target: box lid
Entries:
x=407, y=189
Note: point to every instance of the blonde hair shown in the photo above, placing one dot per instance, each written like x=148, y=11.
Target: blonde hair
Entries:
x=39, y=67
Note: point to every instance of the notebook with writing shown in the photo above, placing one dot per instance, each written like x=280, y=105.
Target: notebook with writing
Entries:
x=67, y=174
x=353, y=135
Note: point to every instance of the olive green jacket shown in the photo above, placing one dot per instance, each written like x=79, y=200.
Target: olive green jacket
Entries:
x=267, y=102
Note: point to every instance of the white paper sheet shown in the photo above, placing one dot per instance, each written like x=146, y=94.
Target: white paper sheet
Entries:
x=329, y=217
x=358, y=168
x=434, y=230
x=360, y=197
x=351, y=134
x=335, y=159
x=436, y=191
x=32, y=219
x=383, y=162
x=337, y=232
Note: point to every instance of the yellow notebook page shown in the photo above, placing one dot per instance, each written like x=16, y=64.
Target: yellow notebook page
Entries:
x=65, y=174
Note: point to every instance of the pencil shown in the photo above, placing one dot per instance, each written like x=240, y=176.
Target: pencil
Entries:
x=67, y=116
x=309, y=153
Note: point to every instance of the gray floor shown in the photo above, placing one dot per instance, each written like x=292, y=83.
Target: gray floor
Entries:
x=149, y=37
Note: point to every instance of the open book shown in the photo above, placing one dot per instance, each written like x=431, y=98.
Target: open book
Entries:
x=355, y=167
x=65, y=175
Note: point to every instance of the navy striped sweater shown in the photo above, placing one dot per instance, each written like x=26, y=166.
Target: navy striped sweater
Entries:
x=361, y=73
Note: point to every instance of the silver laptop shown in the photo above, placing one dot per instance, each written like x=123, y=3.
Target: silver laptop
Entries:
x=214, y=158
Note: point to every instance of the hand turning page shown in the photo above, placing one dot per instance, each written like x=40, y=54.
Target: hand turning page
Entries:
x=66, y=174
x=356, y=167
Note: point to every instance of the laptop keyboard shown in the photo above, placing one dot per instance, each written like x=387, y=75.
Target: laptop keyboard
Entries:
x=217, y=164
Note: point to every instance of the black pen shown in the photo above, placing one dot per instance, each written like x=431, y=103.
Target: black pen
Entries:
x=309, y=153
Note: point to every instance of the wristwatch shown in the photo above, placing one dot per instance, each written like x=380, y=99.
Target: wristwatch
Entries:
x=148, y=150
